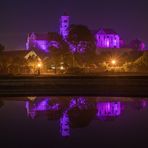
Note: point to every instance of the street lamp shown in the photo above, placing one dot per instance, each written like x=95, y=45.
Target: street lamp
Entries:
x=62, y=67
x=39, y=65
x=113, y=62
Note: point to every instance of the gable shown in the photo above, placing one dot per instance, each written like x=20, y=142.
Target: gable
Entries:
x=31, y=53
x=107, y=31
x=33, y=36
x=101, y=32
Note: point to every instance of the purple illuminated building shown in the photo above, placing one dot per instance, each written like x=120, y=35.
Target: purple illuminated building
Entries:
x=43, y=41
x=107, y=38
x=64, y=25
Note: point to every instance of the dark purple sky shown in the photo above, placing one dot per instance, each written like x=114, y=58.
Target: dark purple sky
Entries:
x=18, y=17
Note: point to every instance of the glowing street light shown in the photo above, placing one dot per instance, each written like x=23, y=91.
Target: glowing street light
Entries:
x=62, y=67
x=39, y=65
x=52, y=67
x=113, y=62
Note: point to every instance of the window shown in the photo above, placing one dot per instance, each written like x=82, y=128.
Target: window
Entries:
x=65, y=21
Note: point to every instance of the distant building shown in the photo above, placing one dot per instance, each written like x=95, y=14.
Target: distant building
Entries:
x=43, y=41
x=107, y=38
x=24, y=54
x=64, y=25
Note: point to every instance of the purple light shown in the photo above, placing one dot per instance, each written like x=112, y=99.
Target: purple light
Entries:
x=43, y=105
x=72, y=47
x=142, y=46
x=53, y=44
x=78, y=48
x=114, y=42
x=108, y=109
x=65, y=125
x=107, y=43
x=107, y=39
x=79, y=102
x=64, y=25
x=144, y=103
x=43, y=45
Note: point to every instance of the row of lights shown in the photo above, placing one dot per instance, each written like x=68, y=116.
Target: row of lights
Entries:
x=39, y=65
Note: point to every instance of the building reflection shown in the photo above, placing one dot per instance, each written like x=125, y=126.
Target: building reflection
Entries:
x=139, y=104
x=78, y=112
x=51, y=108
x=108, y=110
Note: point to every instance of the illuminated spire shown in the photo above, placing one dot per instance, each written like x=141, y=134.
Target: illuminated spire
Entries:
x=64, y=25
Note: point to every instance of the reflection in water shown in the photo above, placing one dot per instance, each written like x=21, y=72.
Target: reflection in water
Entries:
x=44, y=105
x=78, y=112
x=65, y=124
x=108, y=110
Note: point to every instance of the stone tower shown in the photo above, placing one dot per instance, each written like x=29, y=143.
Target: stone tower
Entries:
x=64, y=25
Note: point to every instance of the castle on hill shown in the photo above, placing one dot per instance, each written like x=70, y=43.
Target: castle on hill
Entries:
x=105, y=38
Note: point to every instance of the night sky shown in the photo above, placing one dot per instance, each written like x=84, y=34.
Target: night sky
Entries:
x=18, y=17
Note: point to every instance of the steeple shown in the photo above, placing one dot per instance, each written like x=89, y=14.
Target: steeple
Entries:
x=64, y=25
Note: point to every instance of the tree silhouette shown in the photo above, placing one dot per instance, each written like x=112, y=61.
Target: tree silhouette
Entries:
x=83, y=42
x=79, y=33
x=137, y=44
x=141, y=64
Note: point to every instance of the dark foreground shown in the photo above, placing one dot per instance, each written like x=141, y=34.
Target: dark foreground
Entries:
x=109, y=85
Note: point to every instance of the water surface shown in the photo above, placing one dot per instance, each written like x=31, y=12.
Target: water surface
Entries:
x=73, y=121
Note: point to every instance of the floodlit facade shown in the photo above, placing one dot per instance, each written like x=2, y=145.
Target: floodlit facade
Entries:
x=43, y=41
x=105, y=38
x=64, y=25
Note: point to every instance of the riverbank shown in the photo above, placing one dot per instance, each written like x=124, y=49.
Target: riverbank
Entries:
x=105, y=85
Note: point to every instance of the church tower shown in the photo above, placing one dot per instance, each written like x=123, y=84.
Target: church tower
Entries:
x=64, y=25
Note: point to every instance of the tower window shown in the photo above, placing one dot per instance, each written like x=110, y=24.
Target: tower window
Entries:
x=65, y=21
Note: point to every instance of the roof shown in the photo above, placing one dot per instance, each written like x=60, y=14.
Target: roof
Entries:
x=40, y=53
x=50, y=36
x=23, y=53
x=14, y=53
x=106, y=31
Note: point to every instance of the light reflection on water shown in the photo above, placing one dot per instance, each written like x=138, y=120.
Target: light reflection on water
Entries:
x=76, y=112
